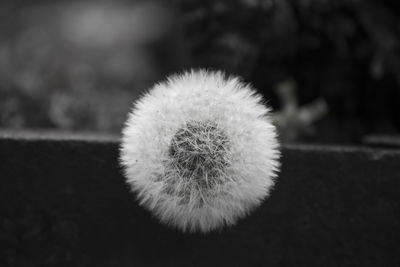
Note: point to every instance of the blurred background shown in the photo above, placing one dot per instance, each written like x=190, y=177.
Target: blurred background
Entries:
x=330, y=69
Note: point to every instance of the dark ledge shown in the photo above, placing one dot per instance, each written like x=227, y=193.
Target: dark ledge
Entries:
x=63, y=202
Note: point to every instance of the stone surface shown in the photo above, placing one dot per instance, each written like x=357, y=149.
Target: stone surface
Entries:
x=64, y=202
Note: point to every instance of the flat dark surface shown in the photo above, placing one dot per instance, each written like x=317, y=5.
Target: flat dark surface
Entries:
x=64, y=202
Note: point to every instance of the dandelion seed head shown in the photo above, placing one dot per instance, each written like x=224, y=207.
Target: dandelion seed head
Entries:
x=199, y=150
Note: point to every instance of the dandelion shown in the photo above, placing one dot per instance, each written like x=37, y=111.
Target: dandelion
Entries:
x=199, y=150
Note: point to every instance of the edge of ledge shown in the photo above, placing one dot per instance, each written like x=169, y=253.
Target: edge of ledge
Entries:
x=98, y=137
x=58, y=136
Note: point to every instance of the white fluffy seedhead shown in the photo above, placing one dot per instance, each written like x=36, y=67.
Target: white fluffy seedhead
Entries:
x=199, y=150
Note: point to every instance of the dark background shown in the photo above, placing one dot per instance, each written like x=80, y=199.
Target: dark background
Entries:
x=79, y=65
x=68, y=205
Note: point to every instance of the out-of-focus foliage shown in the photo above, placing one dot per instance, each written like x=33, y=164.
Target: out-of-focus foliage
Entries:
x=345, y=51
x=293, y=121
x=77, y=65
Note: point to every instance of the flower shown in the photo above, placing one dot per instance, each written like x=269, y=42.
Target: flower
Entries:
x=199, y=150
